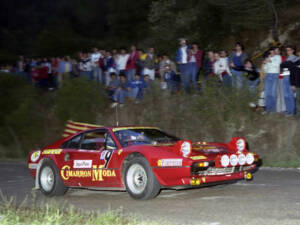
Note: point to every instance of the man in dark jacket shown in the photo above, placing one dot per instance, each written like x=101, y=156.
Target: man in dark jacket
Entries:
x=292, y=63
x=295, y=82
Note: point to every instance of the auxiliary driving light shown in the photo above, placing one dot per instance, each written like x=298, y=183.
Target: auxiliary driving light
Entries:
x=225, y=160
x=240, y=144
x=242, y=159
x=233, y=160
x=249, y=158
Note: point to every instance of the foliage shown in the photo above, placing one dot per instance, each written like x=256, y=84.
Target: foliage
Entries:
x=19, y=116
x=80, y=100
x=197, y=21
x=31, y=118
x=60, y=40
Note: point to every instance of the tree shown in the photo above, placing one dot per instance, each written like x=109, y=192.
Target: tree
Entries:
x=251, y=14
x=195, y=20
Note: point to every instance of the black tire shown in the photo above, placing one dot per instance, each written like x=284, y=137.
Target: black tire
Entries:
x=139, y=179
x=49, y=180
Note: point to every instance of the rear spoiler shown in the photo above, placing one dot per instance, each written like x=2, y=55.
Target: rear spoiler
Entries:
x=75, y=127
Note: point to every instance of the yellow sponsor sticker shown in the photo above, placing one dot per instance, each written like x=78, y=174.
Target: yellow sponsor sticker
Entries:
x=197, y=157
x=52, y=151
x=120, y=151
x=96, y=174
x=159, y=163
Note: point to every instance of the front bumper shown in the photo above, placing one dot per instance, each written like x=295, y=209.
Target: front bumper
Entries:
x=193, y=180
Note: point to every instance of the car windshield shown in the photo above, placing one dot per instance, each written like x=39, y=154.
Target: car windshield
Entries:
x=132, y=136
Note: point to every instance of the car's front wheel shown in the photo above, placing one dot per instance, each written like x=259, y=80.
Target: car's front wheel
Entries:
x=49, y=180
x=140, y=181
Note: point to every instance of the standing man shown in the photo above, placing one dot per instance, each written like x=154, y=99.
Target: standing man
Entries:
x=194, y=64
x=272, y=69
x=97, y=71
x=131, y=63
x=181, y=59
x=237, y=60
x=149, y=64
x=293, y=64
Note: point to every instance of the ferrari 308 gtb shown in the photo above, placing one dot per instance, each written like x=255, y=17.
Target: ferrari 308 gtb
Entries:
x=140, y=160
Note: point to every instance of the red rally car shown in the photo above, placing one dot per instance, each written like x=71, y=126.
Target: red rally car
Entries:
x=140, y=160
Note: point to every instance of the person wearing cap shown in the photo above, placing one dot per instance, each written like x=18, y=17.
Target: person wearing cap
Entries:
x=181, y=59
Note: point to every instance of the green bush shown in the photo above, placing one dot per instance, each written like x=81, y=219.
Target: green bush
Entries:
x=20, y=117
x=31, y=118
x=80, y=100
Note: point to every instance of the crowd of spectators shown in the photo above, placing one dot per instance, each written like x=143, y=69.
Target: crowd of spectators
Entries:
x=129, y=75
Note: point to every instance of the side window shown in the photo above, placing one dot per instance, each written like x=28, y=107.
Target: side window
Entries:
x=110, y=144
x=93, y=140
x=74, y=143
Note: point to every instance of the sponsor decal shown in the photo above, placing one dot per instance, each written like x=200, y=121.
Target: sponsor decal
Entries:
x=169, y=162
x=102, y=156
x=35, y=156
x=32, y=166
x=82, y=164
x=52, y=151
x=120, y=151
x=197, y=157
x=97, y=173
x=106, y=155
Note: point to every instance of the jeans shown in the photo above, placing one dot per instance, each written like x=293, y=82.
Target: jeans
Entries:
x=193, y=74
x=288, y=95
x=298, y=101
x=185, y=78
x=271, y=83
x=130, y=74
x=251, y=85
x=135, y=93
x=120, y=95
x=98, y=74
x=237, y=79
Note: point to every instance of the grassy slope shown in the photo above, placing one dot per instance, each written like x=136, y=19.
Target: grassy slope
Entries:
x=214, y=115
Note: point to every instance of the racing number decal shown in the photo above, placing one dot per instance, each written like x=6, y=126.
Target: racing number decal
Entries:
x=106, y=156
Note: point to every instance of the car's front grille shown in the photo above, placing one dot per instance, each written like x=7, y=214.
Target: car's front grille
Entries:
x=221, y=171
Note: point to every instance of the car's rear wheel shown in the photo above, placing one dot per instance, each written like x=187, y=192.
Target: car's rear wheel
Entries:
x=139, y=179
x=49, y=180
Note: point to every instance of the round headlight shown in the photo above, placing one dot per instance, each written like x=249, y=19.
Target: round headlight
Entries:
x=249, y=158
x=242, y=159
x=233, y=160
x=240, y=145
x=225, y=160
x=186, y=148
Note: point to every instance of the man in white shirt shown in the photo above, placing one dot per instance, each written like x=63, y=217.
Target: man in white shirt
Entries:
x=97, y=71
x=181, y=59
x=122, y=62
x=272, y=69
